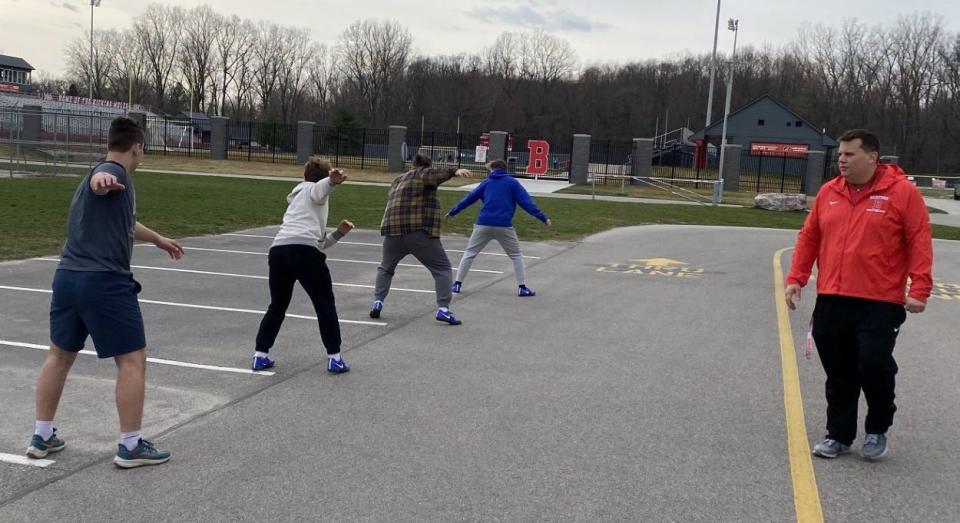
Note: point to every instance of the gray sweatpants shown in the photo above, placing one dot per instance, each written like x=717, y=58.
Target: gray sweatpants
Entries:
x=428, y=251
x=505, y=236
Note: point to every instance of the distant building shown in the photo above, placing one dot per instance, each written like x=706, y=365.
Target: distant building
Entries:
x=15, y=75
x=767, y=127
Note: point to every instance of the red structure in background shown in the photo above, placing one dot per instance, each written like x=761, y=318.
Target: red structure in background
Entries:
x=700, y=155
x=789, y=150
x=539, y=156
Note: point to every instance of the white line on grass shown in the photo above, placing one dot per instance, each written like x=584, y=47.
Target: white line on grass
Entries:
x=230, y=251
x=367, y=244
x=159, y=361
x=248, y=276
x=207, y=307
x=18, y=459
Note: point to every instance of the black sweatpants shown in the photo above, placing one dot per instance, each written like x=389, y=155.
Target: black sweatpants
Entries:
x=305, y=264
x=855, y=339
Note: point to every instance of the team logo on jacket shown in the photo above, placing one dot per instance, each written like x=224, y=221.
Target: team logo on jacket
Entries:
x=878, y=203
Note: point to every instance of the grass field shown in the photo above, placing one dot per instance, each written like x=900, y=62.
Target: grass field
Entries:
x=33, y=211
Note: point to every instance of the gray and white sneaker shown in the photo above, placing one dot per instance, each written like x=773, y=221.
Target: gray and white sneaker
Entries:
x=874, y=446
x=830, y=448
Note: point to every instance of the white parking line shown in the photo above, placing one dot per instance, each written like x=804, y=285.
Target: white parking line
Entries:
x=19, y=459
x=367, y=244
x=159, y=361
x=208, y=307
x=249, y=276
x=229, y=251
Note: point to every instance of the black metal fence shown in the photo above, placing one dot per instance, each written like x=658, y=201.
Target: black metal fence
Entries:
x=767, y=173
x=261, y=142
x=352, y=147
x=685, y=162
x=177, y=136
x=610, y=160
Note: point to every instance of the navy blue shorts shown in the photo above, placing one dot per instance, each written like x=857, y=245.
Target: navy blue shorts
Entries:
x=102, y=305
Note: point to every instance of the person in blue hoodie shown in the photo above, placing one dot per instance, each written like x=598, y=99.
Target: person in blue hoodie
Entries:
x=501, y=194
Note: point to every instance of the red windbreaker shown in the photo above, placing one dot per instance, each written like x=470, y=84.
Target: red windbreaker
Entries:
x=866, y=247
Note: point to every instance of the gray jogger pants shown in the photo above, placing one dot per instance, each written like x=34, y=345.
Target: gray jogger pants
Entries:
x=428, y=251
x=505, y=236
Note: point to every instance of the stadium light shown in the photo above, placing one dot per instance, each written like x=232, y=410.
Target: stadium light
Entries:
x=732, y=25
x=93, y=3
x=713, y=67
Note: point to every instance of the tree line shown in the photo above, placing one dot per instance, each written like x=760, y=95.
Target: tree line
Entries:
x=901, y=80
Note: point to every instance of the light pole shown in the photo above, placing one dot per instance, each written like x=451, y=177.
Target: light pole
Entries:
x=713, y=65
x=93, y=3
x=733, y=25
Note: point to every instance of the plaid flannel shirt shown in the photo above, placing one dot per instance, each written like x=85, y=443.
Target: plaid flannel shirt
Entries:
x=413, y=204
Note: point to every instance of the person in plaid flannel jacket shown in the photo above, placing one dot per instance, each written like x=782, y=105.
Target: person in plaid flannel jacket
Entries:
x=411, y=225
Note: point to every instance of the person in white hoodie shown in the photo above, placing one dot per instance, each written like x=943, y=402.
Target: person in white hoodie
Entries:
x=297, y=256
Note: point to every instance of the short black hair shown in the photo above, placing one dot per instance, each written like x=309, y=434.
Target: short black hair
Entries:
x=422, y=161
x=869, y=141
x=124, y=134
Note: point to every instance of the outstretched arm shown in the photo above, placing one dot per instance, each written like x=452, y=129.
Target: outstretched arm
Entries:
x=144, y=234
x=468, y=200
x=527, y=203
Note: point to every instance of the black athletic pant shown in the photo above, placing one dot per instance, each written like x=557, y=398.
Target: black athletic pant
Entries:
x=305, y=264
x=855, y=339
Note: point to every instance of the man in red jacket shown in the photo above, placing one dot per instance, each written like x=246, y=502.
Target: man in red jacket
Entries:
x=868, y=231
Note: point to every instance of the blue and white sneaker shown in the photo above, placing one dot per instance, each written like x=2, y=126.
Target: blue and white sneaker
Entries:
x=448, y=317
x=456, y=287
x=144, y=454
x=875, y=446
x=261, y=363
x=337, y=367
x=39, y=448
x=525, y=291
x=376, y=308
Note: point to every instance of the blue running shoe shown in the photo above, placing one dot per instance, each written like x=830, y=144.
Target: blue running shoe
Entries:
x=337, y=367
x=144, y=454
x=39, y=448
x=375, y=310
x=261, y=363
x=525, y=291
x=456, y=287
x=875, y=446
x=447, y=317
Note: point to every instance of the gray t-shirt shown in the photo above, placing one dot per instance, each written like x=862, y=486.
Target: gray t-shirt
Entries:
x=100, y=228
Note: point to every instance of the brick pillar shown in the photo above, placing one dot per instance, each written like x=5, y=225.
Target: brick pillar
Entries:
x=498, y=146
x=304, y=141
x=731, y=167
x=218, y=137
x=395, y=160
x=580, y=159
x=642, y=158
x=816, y=161
x=32, y=123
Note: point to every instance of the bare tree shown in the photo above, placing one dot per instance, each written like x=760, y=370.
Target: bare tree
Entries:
x=233, y=43
x=200, y=27
x=158, y=31
x=78, y=60
x=372, y=58
x=296, y=49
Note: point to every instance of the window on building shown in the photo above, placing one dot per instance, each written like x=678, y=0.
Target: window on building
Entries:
x=761, y=122
x=798, y=124
x=788, y=124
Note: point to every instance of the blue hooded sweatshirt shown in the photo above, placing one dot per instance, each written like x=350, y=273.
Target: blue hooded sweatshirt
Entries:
x=501, y=194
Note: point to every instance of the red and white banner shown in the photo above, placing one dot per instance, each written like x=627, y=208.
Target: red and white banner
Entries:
x=9, y=88
x=87, y=101
x=539, y=157
x=791, y=150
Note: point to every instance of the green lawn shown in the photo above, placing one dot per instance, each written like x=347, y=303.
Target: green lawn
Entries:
x=33, y=211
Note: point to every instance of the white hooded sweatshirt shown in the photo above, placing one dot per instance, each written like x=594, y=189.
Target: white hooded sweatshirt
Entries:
x=305, y=221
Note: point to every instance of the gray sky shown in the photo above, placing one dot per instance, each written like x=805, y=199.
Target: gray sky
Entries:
x=599, y=30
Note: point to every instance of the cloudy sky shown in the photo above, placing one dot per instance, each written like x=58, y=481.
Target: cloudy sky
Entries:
x=599, y=30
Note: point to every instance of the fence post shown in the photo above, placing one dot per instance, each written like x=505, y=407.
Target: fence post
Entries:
x=304, y=141
x=32, y=124
x=731, y=167
x=498, y=146
x=641, y=165
x=580, y=159
x=816, y=161
x=218, y=137
x=395, y=160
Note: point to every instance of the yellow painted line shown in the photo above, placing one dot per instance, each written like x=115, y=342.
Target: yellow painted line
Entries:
x=806, y=497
